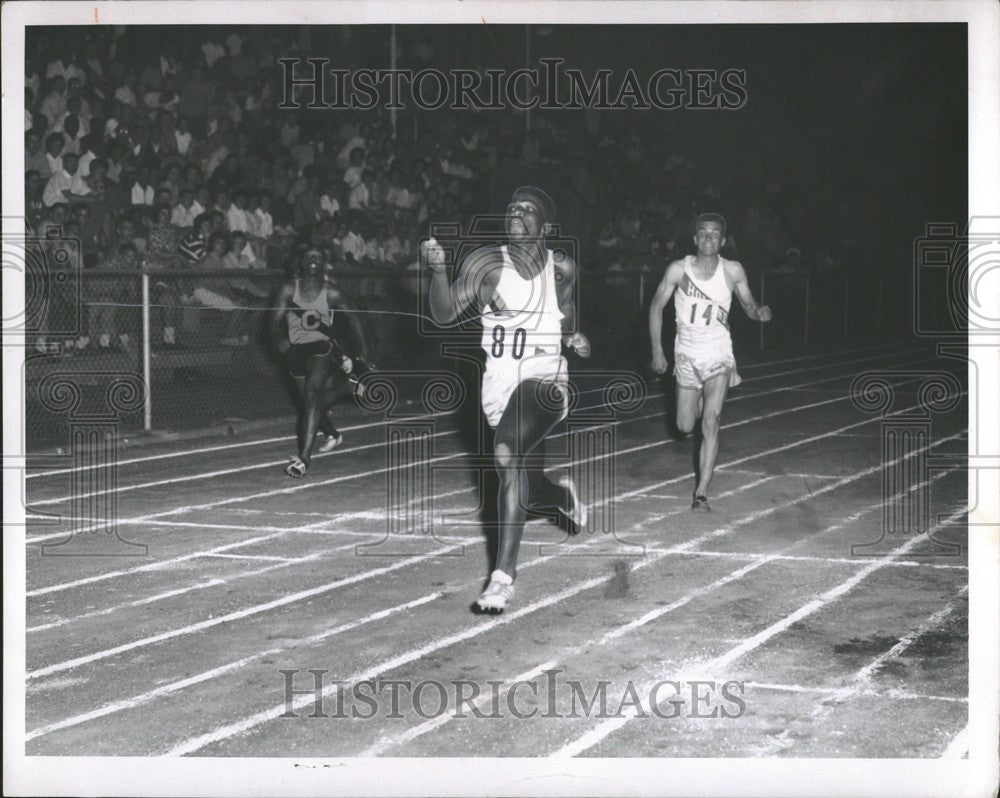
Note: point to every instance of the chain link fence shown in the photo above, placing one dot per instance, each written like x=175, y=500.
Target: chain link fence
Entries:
x=202, y=342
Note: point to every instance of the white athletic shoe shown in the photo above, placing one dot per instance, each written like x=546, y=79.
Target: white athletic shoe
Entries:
x=577, y=512
x=296, y=468
x=498, y=592
x=330, y=443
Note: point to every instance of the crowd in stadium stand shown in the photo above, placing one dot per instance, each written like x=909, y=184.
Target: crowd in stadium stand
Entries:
x=175, y=157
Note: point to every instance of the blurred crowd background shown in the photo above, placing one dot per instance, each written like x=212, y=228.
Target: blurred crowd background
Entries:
x=162, y=150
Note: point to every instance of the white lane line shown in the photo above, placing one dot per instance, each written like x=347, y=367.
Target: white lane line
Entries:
x=787, y=474
x=896, y=695
x=600, y=732
x=284, y=438
x=222, y=472
x=263, y=557
x=167, y=689
x=241, y=499
x=785, y=447
x=736, y=555
x=859, y=683
x=180, y=591
x=275, y=532
x=276, y=463
x=759, y=559
x=434, y=723
x=246, y=612
x=144, y=698
x=958, y=748
x=238, y=727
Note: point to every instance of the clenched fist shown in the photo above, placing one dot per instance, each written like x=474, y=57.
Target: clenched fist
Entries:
x=659, y=362
x=434, y=255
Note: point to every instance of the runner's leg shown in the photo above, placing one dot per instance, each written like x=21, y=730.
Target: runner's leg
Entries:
x=524, y=425
x=312, y=402
x=689, y=402
x=715, y=394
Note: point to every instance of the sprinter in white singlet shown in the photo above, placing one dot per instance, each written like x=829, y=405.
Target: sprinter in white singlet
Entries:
x=702, y=286
x=524, y=294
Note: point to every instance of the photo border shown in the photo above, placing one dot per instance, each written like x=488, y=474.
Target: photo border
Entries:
x=976, y=775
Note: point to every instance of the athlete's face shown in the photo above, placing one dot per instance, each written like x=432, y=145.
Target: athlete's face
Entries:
x=312, y=263
x=525, y=219
x=709, y=239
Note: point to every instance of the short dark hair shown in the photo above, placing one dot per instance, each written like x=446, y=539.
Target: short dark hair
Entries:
x=718, y=218
x=539, y=197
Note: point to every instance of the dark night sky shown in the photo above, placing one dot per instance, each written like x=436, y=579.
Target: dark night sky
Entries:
x=864, y=127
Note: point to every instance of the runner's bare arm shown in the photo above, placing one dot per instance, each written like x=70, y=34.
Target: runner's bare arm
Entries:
x=565, y=277
x=278, y=316
x=335, y=299
x=476, y=281
x=671, y=277
x=738, y=277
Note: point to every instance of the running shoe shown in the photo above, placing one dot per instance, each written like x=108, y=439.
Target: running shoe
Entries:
x=577, y=512
x=331, y=443
x=700, y=504
x=498, y=592
x=296, y=468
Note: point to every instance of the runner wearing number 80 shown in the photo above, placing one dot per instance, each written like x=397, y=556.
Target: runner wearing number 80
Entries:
x=702, y=286
x=524, y=293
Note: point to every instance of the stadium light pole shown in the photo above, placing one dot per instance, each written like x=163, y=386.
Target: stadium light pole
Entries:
x=392, y=67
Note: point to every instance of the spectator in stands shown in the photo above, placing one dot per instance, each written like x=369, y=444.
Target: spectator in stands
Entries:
x=219, y=294
x=54, y=104
x=361, y=197
x=306, y=208
x=352, y=175
x=88, y=153
x=329, y=203
x=163, y=251
x=237, y=216
x=261, y=221
x=352, y=245
x=35, y=156
x=182, y=136
x=186, y=210
x=72, y=134
x=58, y=189
x=34, y=205
x=140, y=186
x=195, y=244
x=54, y=145
x=391, y=247
x=89, y=231
x=105, y=320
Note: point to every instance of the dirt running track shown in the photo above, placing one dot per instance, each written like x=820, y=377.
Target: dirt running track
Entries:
x=248, y=573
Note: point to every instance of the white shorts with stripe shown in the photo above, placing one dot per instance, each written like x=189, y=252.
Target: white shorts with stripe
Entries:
x=693, y=367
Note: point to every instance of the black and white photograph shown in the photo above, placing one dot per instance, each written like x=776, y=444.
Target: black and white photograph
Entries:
x=463, y=398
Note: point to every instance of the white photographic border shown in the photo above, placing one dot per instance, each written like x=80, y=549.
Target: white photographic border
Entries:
x=974, y=776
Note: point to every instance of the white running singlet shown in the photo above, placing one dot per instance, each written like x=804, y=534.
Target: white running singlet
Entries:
x=522, y=335
x=703, y=347
x=304, y=320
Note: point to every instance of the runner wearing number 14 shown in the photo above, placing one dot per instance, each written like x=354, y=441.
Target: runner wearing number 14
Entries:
x=523, y=292
x=702, y=286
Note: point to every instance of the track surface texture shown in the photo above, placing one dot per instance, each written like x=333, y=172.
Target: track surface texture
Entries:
x=248, y=573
